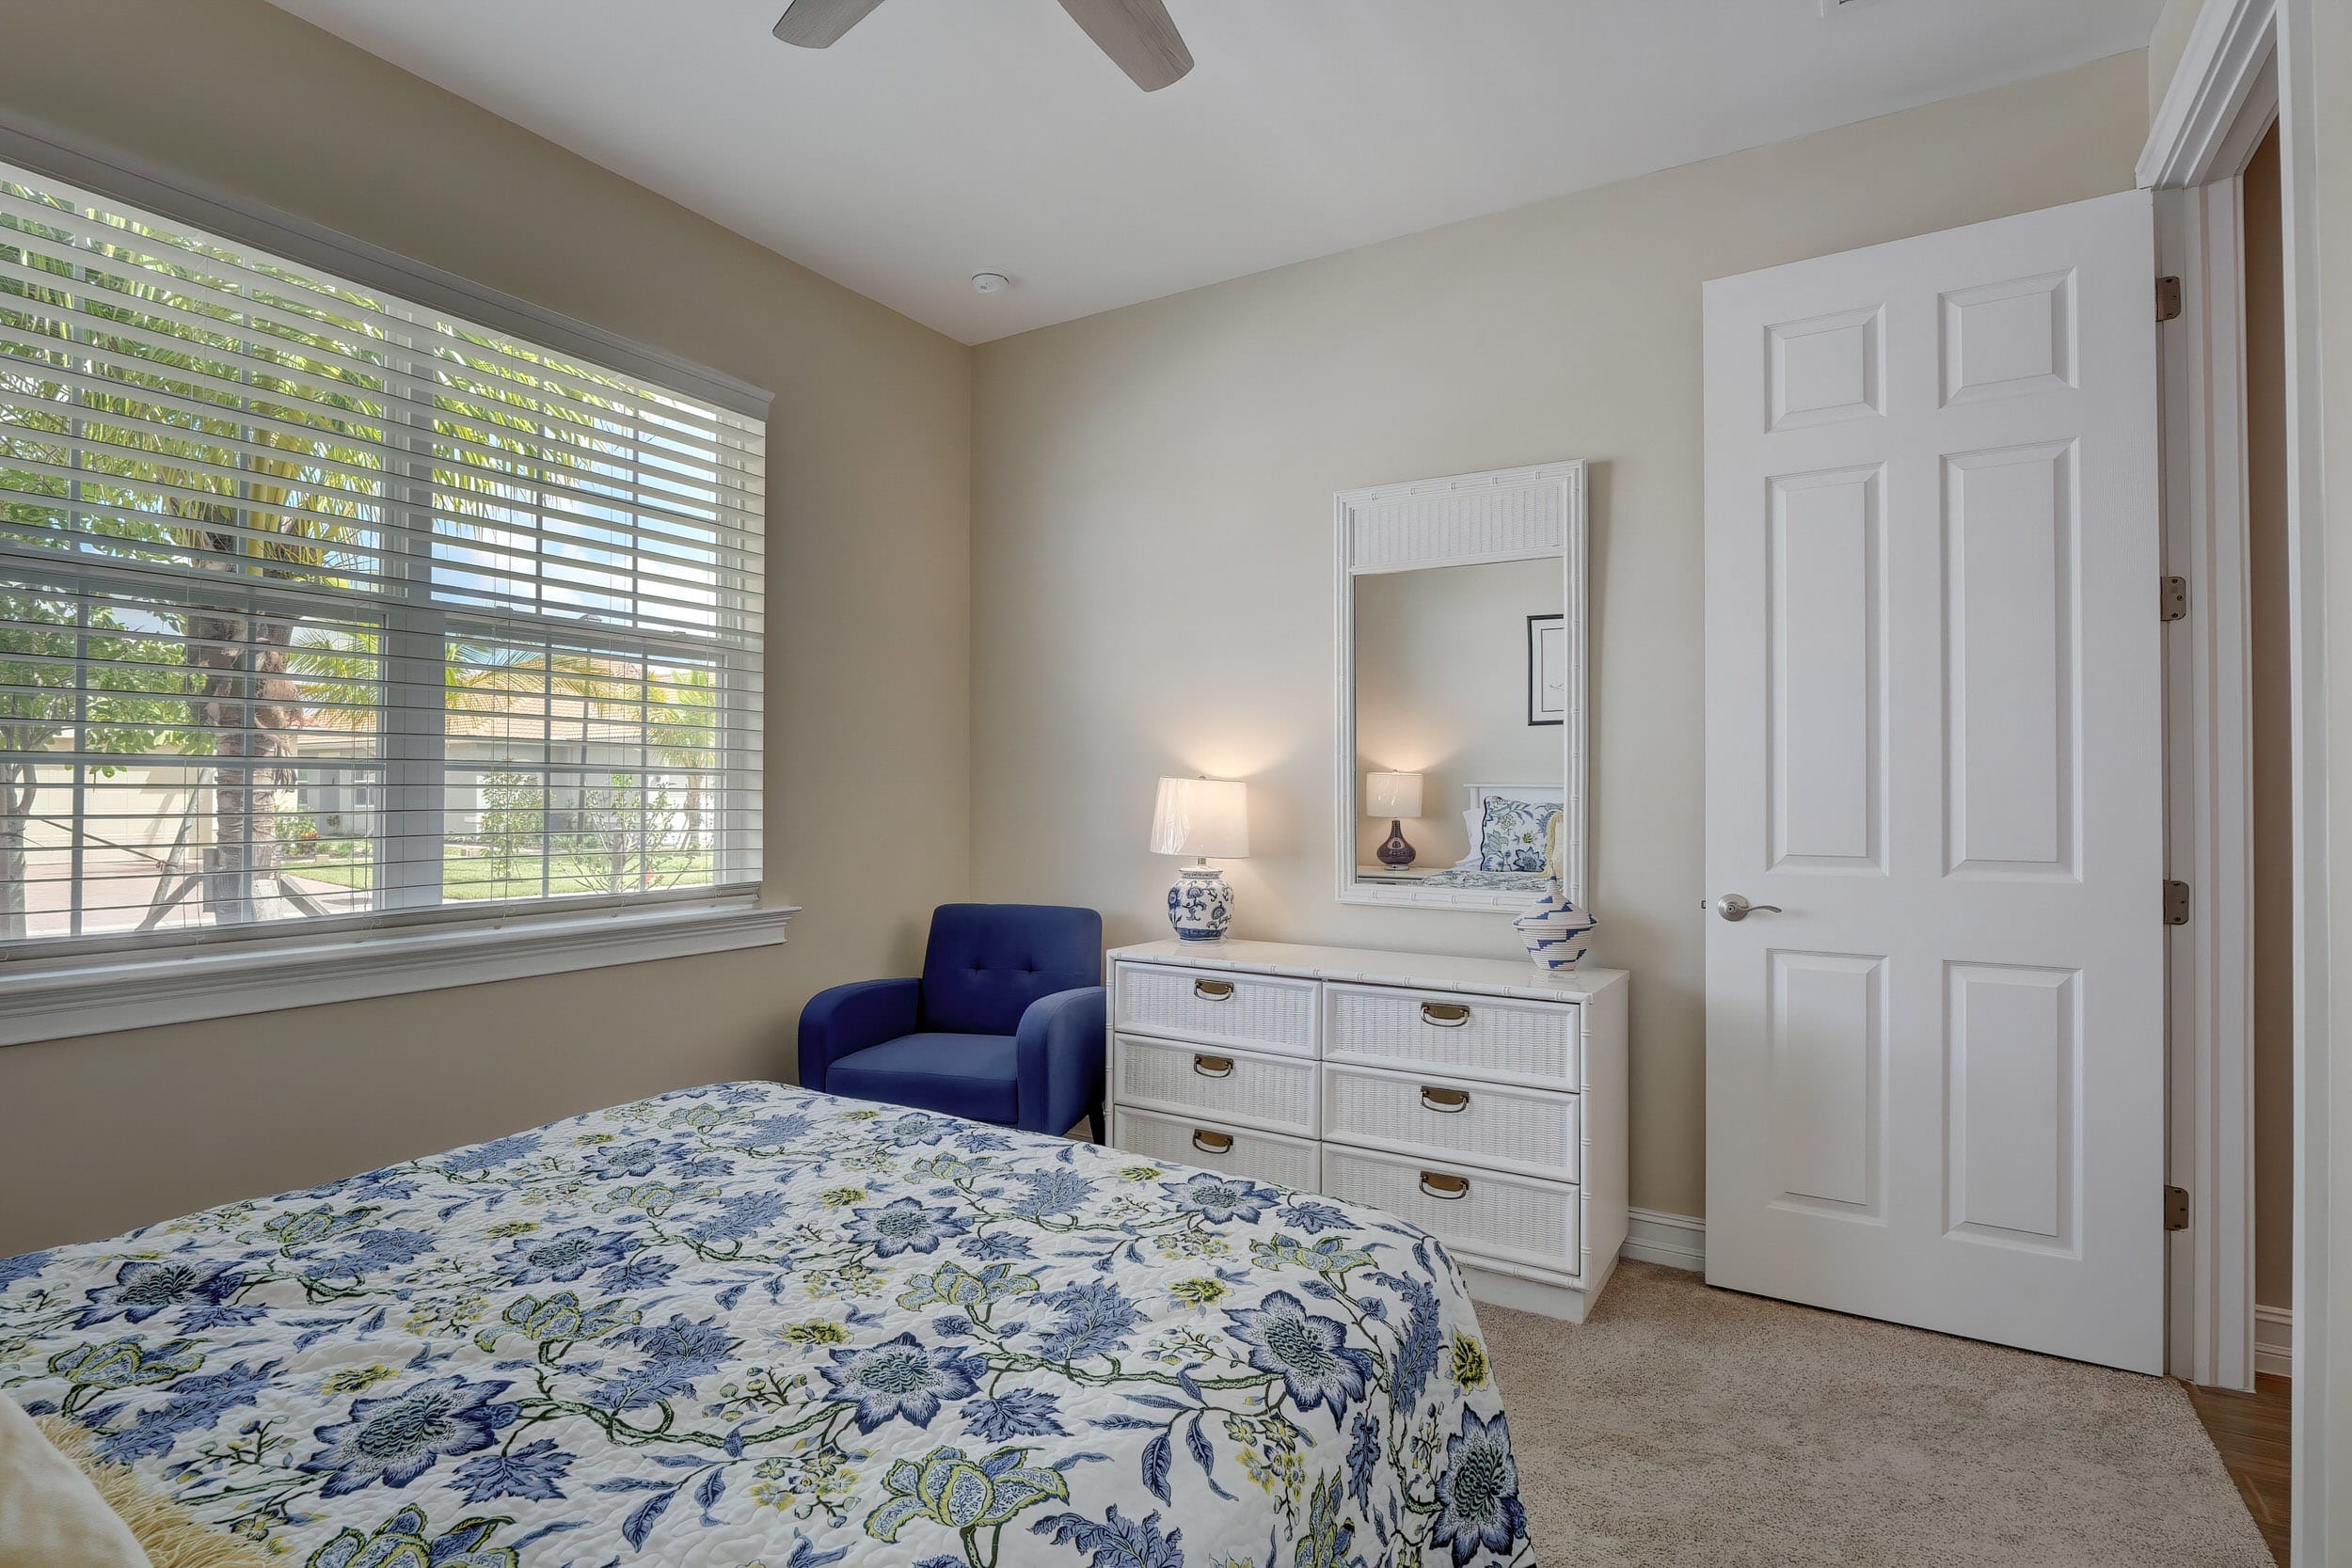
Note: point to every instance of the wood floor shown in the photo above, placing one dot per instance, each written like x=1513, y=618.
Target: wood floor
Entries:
x=2250, y=1429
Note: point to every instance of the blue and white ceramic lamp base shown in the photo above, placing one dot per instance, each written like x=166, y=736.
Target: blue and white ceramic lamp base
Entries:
x=1201, y=905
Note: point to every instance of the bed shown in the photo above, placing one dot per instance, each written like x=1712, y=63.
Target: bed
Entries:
x=745, y=1324
x=1470, y=871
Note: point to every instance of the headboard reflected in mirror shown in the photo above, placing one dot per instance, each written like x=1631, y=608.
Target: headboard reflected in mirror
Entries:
x=1461, y=617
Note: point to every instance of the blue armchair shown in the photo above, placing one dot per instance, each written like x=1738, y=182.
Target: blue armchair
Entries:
x=1004, y=1026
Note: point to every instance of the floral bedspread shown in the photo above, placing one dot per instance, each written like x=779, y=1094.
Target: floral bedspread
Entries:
x=745, y=1324
x=1526, y=881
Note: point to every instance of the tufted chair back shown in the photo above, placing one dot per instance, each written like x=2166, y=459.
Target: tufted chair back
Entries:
x=987, y=962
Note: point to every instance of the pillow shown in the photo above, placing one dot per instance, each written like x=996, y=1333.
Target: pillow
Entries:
x=1469, y=834
x=50, y=1513
x=1511, y=838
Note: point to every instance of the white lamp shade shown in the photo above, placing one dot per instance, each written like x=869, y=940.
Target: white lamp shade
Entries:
x=1393, y=795
x=1208, y=817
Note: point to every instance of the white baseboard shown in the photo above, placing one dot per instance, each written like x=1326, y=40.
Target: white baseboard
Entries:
x=1677, y=1241
x=2274, y=1340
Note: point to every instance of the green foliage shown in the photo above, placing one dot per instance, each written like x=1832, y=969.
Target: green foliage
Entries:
x=133, y=698
x=513, y=819
x=624, y=837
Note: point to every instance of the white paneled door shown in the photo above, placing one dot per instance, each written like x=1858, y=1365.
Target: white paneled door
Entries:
x=1935, y=1069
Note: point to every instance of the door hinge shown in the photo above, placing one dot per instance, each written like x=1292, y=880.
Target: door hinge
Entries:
x=2168, y=298
x=2172, y=599
x=2175, y=903
x=2176, y=1208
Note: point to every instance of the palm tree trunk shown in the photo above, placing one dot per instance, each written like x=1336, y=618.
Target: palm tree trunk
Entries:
x=251, y=710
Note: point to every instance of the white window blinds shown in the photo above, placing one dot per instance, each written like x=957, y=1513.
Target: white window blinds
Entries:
x=320, y=606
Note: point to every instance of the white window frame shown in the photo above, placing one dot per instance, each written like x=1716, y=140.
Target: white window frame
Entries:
x=51, y=995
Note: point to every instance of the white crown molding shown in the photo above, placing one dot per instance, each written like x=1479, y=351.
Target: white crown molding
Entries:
x=1676, y=1241
x=90, y=997
x=2274, y=1341
x=2200, y=131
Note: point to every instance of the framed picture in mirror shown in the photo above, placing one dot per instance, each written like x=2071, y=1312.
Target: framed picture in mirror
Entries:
x=1546, y=669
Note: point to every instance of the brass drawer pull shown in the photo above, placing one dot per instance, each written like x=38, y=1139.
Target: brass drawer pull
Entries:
x=1213, y=990
x=1451, y=1101
x=1449, y=1187
x=1445, y=1015
x=1213, y=1067
x=1212, y=1143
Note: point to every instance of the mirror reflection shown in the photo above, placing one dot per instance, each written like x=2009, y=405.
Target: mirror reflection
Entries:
x=1461, y=686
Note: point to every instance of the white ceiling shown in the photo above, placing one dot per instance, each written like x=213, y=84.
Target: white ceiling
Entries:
x=946, y=137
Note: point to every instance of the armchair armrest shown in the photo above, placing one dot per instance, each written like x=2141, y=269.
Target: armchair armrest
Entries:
x=1059, y=1049
x=852, y=1017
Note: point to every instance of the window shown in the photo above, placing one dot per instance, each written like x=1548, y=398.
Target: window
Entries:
x=318, y=606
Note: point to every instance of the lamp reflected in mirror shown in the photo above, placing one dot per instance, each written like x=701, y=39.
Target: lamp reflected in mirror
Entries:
x=1394, y=796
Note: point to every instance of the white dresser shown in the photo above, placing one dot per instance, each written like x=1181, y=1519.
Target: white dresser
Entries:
x=1482, y=1099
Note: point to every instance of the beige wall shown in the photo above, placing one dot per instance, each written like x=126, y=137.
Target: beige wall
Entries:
x=868, y=628
x=1152, y=538
x=1441, y=691
x=2167, y=44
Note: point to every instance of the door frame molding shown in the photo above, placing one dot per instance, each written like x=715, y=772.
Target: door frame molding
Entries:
x=2222, y=97
x=2209, y=777
x=2247, y=64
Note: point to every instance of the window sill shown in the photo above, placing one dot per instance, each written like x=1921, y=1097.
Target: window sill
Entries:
x=89, y=996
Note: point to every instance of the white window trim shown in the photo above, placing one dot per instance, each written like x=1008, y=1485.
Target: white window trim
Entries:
x=75, y=994
x=40, y=1000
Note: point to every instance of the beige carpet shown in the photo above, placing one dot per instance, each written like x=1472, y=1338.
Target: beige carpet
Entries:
x=1684, y=1428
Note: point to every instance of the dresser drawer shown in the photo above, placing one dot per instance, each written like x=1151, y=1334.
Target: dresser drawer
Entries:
x=1534, y=1132
x=1510, y=1218
x=1261, y=1012
x=1236, y=1151
x=1277, y=1093
x=1455, y=1032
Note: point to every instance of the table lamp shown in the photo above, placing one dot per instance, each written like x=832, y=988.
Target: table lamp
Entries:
x=1394, y=796
x=1201, y=817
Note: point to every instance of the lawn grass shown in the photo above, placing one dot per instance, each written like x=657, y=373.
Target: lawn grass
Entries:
x=472, y=876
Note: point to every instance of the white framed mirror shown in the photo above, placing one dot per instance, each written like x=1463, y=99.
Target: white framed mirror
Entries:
x=1462, y=650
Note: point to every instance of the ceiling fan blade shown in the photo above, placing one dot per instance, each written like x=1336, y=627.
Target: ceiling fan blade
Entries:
x=820, y=23
x=1138, y=35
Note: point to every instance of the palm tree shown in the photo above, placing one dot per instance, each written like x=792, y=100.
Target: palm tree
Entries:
x=266, y=481
x=247, y=706
x=682, y=729
x=288, y=461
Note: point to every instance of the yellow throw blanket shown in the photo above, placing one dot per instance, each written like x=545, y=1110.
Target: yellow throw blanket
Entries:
x=60, y=1503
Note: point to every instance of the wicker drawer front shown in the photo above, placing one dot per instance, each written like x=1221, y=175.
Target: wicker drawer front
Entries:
x=1455, y=1032
x=1475, y=1211
x=1534, y=1132
x=1236, y=1151
x=1277, y=1093
x=1262, y=1012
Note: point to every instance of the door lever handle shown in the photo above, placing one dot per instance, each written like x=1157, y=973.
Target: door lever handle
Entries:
x=1732, y=907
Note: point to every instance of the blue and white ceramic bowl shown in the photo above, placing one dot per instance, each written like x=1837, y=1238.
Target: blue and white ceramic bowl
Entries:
x=1557, y=932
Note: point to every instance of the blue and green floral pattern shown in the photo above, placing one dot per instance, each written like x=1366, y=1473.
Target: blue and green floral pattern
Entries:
x=1511, y=882
x=745, y=1325
x=1511, y=834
